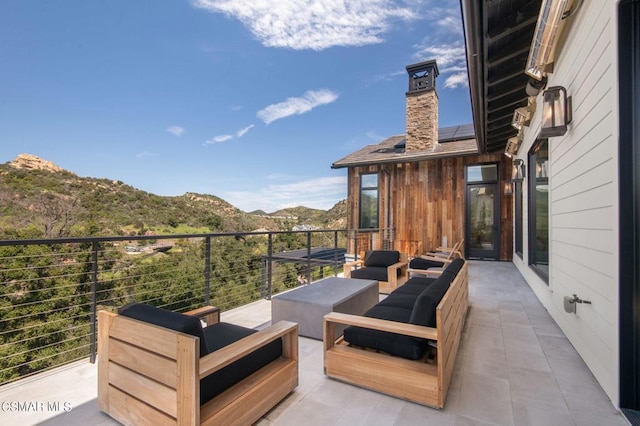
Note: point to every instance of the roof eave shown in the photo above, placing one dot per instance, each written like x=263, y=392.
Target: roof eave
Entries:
x=473, y=34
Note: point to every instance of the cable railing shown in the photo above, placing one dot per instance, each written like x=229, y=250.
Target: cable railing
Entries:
x=52, y=289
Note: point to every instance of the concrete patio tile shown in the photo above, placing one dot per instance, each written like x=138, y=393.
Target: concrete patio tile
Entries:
x=557, y=347
x=486, y=398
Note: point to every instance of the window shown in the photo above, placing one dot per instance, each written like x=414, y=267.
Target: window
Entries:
x=369, y=201
x=482, y=173
x=517, y=194
x=539, y=208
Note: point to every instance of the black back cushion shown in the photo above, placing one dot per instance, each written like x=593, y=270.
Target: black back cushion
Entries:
x=167, y=319
x=384, y=258
x=424, y=309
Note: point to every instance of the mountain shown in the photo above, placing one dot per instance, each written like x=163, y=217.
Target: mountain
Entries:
x=41, y=199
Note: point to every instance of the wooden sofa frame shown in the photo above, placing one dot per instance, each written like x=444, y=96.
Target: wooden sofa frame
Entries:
x=151, y=375
x=393, y=278
x=419, y=381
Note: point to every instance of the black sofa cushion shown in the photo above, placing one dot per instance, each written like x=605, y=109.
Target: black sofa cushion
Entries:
x=383, y=258
x=421, y=263
x=222, y=334
x=212, y=338
x=378, y=273
x=394, y=344
x=424, y=310
x=399, y=300
x=414, y=286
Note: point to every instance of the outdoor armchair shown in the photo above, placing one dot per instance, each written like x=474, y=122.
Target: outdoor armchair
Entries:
x=388, y=267
x=161, y=367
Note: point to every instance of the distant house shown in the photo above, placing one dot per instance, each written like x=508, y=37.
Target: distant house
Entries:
x=422, y=183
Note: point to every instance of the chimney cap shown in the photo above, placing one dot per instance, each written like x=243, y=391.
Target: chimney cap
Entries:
x=423, y=66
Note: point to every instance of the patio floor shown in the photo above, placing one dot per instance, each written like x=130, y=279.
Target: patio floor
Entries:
x=515, y=367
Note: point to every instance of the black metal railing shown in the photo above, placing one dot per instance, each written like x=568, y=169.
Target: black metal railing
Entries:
x=51, y=290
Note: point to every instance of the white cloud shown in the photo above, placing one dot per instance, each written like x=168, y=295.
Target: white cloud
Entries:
x=176, y=130
x=450, y=57
x=240, y=133
x=145, y=154
x=457, y=80
x=312, y=24
x=297, y=106
x=320, y=193
x=219, y=139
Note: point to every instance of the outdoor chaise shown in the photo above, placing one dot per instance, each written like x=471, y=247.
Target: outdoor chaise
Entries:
x=388, y=348
x=388, y=267
x=434, y=262
x=161, y=367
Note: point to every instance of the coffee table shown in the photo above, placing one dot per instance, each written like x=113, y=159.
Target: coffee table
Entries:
x=309, y=304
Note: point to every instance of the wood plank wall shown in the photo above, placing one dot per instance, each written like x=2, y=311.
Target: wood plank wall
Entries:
x=424, y=201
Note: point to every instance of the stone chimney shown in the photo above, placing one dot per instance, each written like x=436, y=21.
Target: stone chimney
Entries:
x=422, y=107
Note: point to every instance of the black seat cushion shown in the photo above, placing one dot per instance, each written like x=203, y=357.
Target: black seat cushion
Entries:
x=383, y=258
x=212, y=338
x=378, y=273
x=399, y=300
x=414, y=286
x=222, y=334
x=421, y=263
x=167, y=319
x=394, y=344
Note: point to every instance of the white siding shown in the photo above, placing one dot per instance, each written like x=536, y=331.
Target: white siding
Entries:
x=583, y=253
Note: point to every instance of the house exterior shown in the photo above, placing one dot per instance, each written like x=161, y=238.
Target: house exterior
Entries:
x=577, y=210
x=570, y=218
x=430, y=185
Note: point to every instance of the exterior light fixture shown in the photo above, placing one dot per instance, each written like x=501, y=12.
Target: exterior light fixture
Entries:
x=556, y=112
x=508, y=187
x=545, y=38
x=519, y=170
x=521, y=118
x=512, y=146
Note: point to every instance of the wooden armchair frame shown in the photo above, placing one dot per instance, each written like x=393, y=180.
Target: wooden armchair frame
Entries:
x=417, y=381
x=151, y=375
x=394, y=279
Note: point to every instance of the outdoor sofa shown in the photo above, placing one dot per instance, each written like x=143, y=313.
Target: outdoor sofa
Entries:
x=161, y=367
x=388, y=348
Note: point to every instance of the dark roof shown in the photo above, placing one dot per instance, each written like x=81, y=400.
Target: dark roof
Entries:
x=498, y=36
x=318, y=255
x=453, y=141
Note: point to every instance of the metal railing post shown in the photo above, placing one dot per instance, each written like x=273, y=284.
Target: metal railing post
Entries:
x=94, y=286
x=335, y=253
x=269, y=264
x=308, y=257
x=355, y=242
x=207, y=271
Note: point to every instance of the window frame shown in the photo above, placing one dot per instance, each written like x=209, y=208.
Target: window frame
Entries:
x=361, y=190
x=534, y=181
x=518, y=219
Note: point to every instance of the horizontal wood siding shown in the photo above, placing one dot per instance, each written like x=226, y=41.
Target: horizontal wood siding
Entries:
x=426, y=201
x=583, y=193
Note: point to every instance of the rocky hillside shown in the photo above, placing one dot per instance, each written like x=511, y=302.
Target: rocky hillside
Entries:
x=41, y=199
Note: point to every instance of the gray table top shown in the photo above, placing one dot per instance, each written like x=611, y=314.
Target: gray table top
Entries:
x=332, y=289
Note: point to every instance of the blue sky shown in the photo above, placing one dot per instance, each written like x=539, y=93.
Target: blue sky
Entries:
x=248, y=100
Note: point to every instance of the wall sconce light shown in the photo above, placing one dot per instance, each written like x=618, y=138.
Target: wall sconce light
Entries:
x=521, y=118
x=512, y=146
x=556, y=112
x=508, y=187
x=545, y=37
x=519, y=170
